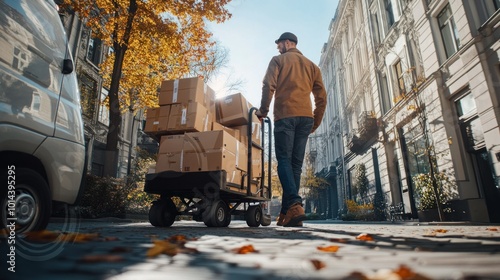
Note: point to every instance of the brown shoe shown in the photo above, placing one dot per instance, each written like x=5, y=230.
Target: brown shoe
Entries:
x=294, y=216
x=279, y=220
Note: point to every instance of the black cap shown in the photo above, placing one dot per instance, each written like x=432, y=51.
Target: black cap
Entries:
x=288, y=36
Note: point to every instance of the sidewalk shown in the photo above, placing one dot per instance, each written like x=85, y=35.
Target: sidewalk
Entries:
x=319, y=250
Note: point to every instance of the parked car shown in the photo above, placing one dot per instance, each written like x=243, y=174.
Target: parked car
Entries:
x=42, y=149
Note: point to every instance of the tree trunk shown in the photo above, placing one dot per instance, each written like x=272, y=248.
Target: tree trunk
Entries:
x=115, y=117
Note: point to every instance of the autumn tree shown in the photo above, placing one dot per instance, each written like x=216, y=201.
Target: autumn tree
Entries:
x=151, y=40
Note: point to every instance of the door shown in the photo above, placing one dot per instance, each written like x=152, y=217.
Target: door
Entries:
x=484, y=176
x=473, y=136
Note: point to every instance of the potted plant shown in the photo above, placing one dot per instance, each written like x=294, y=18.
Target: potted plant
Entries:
x=426, y=201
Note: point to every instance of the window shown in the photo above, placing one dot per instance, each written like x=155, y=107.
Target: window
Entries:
x=88, y=89
x=389, y=13
x=94, y=51
x=466, y=105
x=491, y=6
x=375, y=28
x=470, y=124
x=398, y=70
x=449, y=32
x=416, y=151
x=35, y=104
x=486, y=9
x=384, y=93
x=103, y=107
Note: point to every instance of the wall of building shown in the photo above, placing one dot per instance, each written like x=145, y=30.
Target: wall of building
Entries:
x=394, y=57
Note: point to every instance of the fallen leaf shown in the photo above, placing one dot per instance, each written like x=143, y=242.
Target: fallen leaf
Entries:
x=245, y=250
x=318, y=264
x=42, y=236
x=403, y=272
x=79, y=237
x=4, y=232
x=101, y=258
x=441, y=230
x=492, y=229
x=357, y=276
x=407, y=273
x=177, y=239
x=162, y=247
x=330, y=249
x=170, y=246
x=364, y=237
x=112, y=238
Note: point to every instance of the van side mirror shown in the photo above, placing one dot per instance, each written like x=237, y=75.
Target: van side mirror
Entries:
x=67, y=66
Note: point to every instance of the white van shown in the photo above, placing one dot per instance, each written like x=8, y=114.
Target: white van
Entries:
x=42, y=149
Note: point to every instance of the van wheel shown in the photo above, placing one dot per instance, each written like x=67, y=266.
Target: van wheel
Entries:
x=30, y=202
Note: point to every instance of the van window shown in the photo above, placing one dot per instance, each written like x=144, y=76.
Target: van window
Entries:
x=41, y=23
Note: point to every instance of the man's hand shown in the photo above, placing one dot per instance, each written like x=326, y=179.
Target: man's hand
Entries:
x=259, y=115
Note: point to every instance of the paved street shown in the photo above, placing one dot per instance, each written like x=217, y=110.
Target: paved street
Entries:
x=123, y=249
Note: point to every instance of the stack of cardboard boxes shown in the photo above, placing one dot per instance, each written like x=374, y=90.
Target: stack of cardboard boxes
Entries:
x=200, y=133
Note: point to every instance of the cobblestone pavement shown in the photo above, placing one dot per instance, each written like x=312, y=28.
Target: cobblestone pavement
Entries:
x=319, y=250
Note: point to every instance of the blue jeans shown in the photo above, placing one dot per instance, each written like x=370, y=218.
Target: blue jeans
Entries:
x=290, y=139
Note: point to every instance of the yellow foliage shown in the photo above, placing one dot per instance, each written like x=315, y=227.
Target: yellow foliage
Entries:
x=159, y=39
x=357, y=211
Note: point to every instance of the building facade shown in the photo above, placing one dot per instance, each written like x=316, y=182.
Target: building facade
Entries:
x=413, y=89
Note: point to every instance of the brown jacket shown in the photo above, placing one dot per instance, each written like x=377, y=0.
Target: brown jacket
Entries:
x=291, y=77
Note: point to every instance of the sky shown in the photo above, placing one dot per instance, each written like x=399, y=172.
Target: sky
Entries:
x=250, y=34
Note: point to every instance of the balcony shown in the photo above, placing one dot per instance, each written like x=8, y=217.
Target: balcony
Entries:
x=367, y=123
x=354, y=143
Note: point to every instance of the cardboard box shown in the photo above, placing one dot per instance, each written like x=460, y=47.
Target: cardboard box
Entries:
x=213, y=150
x=256, y=131
x=157, y=119
x=235, y=176
x=234, y=132
x=256, y=162
x=233, y=110
x=187, y=90
x=210, y=140
x=170, y=153
x=184, y=83
x=171, y=144
x=169, y=162
x=213, y=160
x=188, y=118
x=254, y=188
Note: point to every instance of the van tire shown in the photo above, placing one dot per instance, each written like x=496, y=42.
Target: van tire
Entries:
x=33, y=201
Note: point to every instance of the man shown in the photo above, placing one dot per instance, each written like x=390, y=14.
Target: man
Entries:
x=291, y=78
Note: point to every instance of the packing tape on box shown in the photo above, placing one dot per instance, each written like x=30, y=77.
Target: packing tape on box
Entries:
x=182, y=160
x=184, y=116
x=205, y=126
x=237, y=153
x=176, y=91
x=256, y=129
